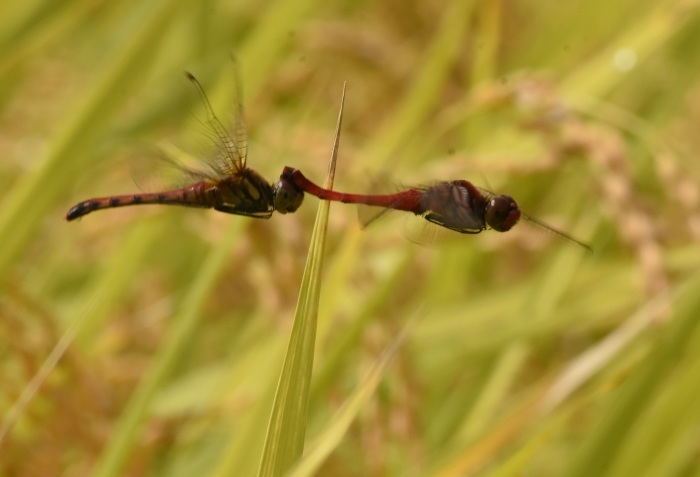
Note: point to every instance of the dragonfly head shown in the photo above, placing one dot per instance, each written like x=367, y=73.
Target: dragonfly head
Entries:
x=288, y=197
x=502, y=213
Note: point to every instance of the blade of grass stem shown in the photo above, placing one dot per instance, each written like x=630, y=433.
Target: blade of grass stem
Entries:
x=329, y=439
x=609, y=435
x=284, y=442
x=439, y=59
x=114, y=457
x=27, y=202
x=118, y=274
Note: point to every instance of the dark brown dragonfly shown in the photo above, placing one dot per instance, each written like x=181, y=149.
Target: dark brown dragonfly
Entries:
x=228, y=186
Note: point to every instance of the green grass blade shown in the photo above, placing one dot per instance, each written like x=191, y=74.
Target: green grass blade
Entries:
x=284, y=443
x=117, y=453
x=429, y=82
x=28, y=201
x=109, y=289
x=329, y=439
x=646, y=34
x=616, y=423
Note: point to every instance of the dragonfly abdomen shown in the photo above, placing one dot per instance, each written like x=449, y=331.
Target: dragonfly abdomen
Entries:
x=200, y=194
x=408, y=200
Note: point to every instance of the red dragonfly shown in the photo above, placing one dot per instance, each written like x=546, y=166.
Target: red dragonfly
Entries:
x=456, y=205
x=229, y=186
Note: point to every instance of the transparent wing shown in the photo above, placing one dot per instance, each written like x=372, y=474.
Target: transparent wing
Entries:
x=379, y=183
x=230, y=148
x=561, y=234
x=241, y=133
x=466, y=225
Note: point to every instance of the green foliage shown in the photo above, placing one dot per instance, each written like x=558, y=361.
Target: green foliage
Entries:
x=164, y=341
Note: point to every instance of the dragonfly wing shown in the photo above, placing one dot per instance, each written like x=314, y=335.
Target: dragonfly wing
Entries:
x=238, y=209
x=464, y=225
x=241, y=134
x=367, y=215
x=231, y=160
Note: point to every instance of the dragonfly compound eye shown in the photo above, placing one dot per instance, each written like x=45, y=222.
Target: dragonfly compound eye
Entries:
x=502, y=213
x=288, y=197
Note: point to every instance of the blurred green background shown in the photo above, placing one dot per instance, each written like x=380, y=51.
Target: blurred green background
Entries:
x=526, y=355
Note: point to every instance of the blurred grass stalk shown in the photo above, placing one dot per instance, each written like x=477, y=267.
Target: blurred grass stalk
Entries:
x=25, y=205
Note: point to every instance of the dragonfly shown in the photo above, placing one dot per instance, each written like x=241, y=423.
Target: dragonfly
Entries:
x=228, y=186
x=457, y=205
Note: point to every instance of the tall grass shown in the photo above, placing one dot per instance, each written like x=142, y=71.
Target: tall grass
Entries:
x=496, y=354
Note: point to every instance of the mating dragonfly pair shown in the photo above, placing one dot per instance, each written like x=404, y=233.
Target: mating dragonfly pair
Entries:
x=232, y=187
